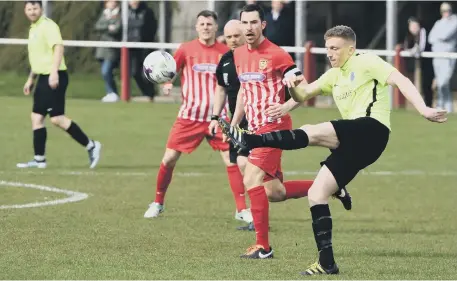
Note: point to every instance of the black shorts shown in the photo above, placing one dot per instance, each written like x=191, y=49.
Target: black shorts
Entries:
x=232, y=151
x=362, y=141
x=47, y=100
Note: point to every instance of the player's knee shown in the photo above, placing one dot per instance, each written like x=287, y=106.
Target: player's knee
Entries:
x=251, y=180
x=316, y=196
x=170, y=162
x=241, y=164
x=275, y=195
x=37, y=120
x=170, y=159
x=59, y=121
x=321, y=135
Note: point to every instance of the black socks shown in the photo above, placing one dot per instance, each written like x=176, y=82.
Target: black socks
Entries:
x=39, y=143
x=77, y=134
x=322, y=228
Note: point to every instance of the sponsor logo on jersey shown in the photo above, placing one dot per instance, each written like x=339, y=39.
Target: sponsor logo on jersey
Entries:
x=251, y=76
x=205, y=67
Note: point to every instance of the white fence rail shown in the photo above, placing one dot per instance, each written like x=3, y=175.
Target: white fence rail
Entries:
x=173, y=46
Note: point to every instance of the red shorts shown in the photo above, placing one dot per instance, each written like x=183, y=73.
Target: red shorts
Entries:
x=269, y=159
x=186, y=135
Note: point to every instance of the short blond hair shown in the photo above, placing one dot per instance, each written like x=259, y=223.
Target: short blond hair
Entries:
x=341, y=31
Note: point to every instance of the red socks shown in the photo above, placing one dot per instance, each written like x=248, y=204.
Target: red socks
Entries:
x=260, y=211
x=163, y=180
x=297, y=189
x=236, y=184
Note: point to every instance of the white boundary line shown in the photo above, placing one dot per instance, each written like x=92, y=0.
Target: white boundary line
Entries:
x=73, y=196
x=200, y=174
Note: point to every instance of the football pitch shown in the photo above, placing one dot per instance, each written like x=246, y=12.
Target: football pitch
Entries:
x=402, y=225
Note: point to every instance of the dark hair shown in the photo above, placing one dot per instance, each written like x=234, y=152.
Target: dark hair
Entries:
x=34, y=2
x=253, y=8
x=413, y=19
x=341, y=31
x=207, y=14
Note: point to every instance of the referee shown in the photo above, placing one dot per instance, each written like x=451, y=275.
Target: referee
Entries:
x=45, y=49
x=228, y=86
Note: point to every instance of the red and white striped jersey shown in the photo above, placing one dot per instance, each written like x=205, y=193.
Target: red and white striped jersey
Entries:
x=260, y=72
x=198, y=63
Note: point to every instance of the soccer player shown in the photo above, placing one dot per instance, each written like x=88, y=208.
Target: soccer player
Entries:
x=359, y=84
x=197, y=60
x=48, y=63
x=261, y=66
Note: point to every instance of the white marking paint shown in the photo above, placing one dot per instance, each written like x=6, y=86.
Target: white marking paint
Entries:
x=73, y=196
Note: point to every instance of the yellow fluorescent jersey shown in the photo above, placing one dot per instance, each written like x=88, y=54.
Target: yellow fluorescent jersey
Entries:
x=43, y=36
x=360, y=87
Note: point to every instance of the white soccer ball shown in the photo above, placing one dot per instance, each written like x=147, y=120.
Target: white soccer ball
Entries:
x=159, y=67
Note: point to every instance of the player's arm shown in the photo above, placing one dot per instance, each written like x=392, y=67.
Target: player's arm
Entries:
x=57, y=59
x=219, y=100
x=29, y=83
x=299, y=89
x=218, y=105
x=220, y=95
x=239, y=109
x=55, y=42
x=180, y=59
x=385, y=73
x=411, y=93
x=278, y=110
x=304, y=91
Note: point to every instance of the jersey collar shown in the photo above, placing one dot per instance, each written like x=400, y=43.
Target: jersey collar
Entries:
x=41, y=19
x=347, y=64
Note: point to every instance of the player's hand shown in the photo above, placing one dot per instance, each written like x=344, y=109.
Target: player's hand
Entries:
x=28, y=87
x=212, y=127
x=293, y=80
x=111, y=27
x=167, y=89
x=435, y=114
x=225, y=138
x=53, y=80
x=275, y=111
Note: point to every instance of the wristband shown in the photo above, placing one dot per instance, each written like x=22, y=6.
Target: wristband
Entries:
x=215, y=117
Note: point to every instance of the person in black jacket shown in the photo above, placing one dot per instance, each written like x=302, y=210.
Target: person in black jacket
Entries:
x=142, y=27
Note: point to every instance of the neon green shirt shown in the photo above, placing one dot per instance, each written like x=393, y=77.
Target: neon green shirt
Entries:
x=43, y=36
x=360, y=87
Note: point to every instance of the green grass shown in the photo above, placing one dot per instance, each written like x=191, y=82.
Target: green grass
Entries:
x=81, y=86
x=402, y=226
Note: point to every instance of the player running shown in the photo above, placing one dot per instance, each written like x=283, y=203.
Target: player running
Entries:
x=359, y=85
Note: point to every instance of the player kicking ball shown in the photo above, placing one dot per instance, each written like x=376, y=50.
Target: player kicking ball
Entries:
x=359, y=85
x=261, y=66
x=46, y=56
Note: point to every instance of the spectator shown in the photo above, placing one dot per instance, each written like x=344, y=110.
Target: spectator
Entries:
x=224, y=10
x=142, y=27
x=443, y=38
x=109, y=26
x=416, y=43
x=281, y=24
